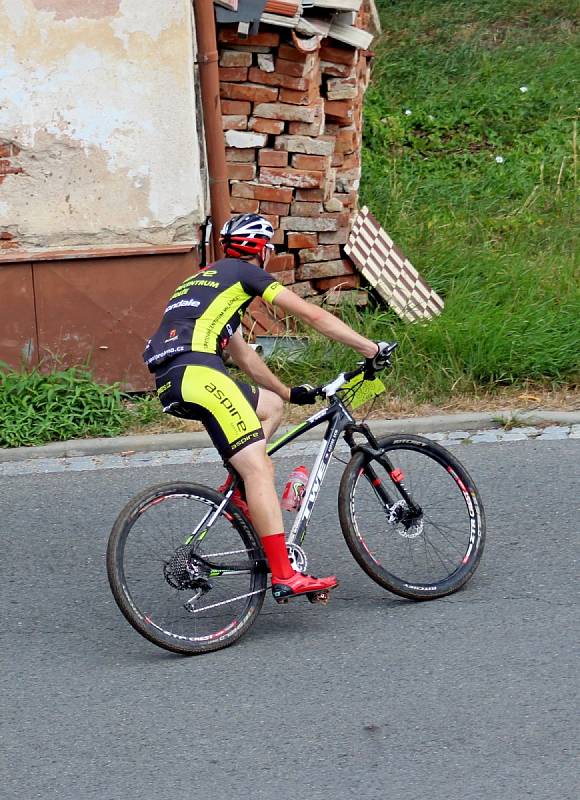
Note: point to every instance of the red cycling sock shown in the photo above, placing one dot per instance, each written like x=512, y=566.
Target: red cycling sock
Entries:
x=277, y=555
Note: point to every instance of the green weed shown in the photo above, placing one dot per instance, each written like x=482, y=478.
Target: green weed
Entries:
x=36, y=408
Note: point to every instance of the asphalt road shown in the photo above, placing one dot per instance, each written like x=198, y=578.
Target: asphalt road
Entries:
x=467, y=697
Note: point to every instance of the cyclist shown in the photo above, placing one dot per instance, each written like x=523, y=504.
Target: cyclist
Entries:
x=202, y=322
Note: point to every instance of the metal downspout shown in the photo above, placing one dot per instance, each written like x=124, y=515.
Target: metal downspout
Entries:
x=207, y=59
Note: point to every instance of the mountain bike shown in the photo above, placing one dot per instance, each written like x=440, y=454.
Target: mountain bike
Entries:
x=186, y=567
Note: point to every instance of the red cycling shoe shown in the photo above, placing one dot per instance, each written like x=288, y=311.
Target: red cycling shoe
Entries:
x=236, y=499
x=316, y=589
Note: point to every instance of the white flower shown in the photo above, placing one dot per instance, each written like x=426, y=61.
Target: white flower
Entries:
x=499, y=159
x=408, y=112
x=430, y=117
x=523, y=89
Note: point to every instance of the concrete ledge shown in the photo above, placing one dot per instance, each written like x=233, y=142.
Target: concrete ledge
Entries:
x=468, y=421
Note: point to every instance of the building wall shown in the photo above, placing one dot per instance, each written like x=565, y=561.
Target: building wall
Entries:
x=98, y=139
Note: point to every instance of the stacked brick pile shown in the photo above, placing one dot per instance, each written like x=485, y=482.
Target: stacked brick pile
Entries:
x=292, y=123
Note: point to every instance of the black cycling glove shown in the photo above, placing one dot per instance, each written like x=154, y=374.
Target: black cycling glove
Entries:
x=378, y=361
x=304, y=395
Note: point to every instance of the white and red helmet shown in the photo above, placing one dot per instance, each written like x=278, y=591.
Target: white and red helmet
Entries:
x=246, y=235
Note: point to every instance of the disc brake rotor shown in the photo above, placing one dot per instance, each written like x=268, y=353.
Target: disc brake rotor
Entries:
x=398, y=514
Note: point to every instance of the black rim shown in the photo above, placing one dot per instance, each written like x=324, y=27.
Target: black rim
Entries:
x=419, y=552
x=173, y=596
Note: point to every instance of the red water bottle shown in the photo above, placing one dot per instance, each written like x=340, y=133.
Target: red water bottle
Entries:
x=295, y=488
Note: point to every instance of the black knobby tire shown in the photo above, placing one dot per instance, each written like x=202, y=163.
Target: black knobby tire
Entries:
x=435, y=554
x=155, y=526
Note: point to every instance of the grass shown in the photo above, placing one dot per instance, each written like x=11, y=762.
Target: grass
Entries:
x=470, y=162
x=36, y=408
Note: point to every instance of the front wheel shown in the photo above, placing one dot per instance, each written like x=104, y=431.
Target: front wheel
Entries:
x=412, y=517
x=186, y=578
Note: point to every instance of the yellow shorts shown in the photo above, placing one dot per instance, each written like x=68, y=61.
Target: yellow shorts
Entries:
x=205, y=391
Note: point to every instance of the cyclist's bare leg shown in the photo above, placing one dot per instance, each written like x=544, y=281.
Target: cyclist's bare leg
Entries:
x=269, y=410
x=257, y=471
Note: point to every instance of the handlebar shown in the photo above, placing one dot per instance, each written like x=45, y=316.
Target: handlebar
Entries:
x=332, y=388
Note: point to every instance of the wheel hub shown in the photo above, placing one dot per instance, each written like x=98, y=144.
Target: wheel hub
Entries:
x=409, y=524
x=182, y=571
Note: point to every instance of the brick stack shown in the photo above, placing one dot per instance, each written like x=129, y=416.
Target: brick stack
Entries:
x=292, y=123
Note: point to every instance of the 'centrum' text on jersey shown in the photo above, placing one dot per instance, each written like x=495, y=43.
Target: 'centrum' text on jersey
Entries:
x=207, y=308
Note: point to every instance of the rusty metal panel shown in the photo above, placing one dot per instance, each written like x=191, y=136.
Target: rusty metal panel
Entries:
x=18, y=339
x=101, y=311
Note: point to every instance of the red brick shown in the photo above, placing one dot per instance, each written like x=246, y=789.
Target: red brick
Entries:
x=235, y=58
x=346, y=140
x=299, y=98
x=342, y=109
x=6, y=235
x=230, y=36
x=338, y=55
x=310, y=79
x=319, y=163
x=348, y=199
x=232, y=122
x=315, y=128
x=342, y=282
x=304, y=289
x=285, y=277
x=300, y=241
x=286, y=81
x=310, y=195
x=5, y=150
x=323, y=269
x=241, y=172
x=286, y=176
x=294, y=68
x=327, y=252
x=287, y=111
x=301, y=209
x=248, y=91
x=337, y=160
x=236, y=107
x=289, y=53
x=257, y=191
x=242, y=205
x=351, y=161
x=272, y=158
x=240, y=155
x=339, y=236
x=278, y=237
x=233, y=73
x=341, y=88
x=274, y=221
x=323, y=145
x=280, y=209
x=324, y=224
x=334, y=69
x=281, y=261
x=261, y=125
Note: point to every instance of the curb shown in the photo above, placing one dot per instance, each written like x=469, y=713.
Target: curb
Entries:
x=440, y=423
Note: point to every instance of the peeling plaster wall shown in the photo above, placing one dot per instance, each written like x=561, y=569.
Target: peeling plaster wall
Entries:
x=98, y=131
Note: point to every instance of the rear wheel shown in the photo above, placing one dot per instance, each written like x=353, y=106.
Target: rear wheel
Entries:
x=424, y=545
x=187, y=586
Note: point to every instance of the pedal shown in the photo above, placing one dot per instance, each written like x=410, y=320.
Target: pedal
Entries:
x=319, y=597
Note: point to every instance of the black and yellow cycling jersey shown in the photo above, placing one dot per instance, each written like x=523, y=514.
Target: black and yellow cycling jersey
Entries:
x=204, y=391
x=185, y=352
x=206, y=309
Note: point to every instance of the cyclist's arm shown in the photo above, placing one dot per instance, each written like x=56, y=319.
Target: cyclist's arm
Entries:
x=246, y=358
x=324, y=322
